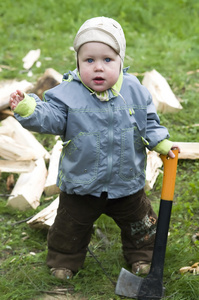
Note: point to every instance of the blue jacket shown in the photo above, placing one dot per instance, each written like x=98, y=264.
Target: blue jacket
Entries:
x=104, y=143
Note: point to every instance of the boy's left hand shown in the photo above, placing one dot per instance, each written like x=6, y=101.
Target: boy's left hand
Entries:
x=170, y=153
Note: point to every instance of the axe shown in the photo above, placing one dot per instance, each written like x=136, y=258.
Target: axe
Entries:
x=151, y=287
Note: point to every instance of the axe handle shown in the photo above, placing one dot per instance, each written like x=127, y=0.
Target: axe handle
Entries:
x=169, y=176
x=152, y=285
x=168, y=186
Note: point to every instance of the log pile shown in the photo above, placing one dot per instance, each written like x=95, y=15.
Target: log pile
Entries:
x=20, y=152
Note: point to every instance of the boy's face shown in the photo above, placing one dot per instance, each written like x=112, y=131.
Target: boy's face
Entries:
x=99, y=66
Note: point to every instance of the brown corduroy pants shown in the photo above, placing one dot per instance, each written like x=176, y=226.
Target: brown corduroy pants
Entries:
x=70, y=234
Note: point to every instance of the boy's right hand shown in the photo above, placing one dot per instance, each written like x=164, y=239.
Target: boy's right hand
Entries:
x=15, y=98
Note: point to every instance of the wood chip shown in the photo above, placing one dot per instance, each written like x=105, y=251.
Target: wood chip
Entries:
x=31, y=57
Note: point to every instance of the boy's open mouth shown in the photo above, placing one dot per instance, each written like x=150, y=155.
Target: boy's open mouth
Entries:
x=98, y=80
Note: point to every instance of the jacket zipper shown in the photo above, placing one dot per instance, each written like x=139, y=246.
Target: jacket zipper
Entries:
x=110, y=145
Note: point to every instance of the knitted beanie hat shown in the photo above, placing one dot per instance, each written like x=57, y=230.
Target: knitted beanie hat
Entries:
x=104, y=30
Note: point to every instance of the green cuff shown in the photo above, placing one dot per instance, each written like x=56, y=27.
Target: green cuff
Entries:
x=26, y=107
x=163, y=147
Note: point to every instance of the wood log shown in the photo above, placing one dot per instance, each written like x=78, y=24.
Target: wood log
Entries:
x=163, y=98
x=188, y=150
x=11, y=150
x=11, y=166
x=23, y=137
x=9, y=86
x=154, y=163
x=45, y=218
x=29, y=188
x=50, y=79
x=50, y=185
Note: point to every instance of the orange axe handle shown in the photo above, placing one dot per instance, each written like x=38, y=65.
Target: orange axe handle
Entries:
x=169, y=176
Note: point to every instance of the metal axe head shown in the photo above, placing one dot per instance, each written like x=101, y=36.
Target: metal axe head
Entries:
x=128, y=284
x=132, y=286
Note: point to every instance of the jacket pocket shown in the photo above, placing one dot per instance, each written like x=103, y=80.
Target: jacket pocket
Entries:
x=80, y=158
x=132, y=157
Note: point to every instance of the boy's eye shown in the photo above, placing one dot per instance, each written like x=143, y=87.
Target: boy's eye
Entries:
x=107, y=59
x=89, y=60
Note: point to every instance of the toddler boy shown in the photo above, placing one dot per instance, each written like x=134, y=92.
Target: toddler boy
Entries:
x=106, y=120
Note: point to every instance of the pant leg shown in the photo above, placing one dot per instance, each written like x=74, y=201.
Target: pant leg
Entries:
x=70, y=234
x=137, y=221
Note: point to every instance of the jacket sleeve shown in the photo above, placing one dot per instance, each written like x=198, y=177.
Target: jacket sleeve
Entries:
x=48, y=116
x=155, y=133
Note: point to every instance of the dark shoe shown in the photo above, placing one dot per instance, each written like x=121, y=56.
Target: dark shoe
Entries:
x=141, y=267
x=62, y=273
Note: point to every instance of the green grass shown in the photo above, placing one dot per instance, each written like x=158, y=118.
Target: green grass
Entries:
x=161, y=35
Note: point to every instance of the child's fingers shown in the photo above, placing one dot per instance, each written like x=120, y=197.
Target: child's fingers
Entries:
x=20, y=93
x=176, y=146
x=171, y=154
x=12, y=105
x=12, y=96
x=15, y=98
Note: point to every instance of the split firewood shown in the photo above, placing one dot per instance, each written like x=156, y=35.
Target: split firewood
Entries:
x=45, y=218
x=10, y=126
x=50, y=79
x=13, y=166
x=31, y=57
x=184, y=269
x=11, y=150
x=164, y=99
x=29, y=188
x=194, y=269
x=50, y=185
x=188, y=150
x=154, y=163
x=9, y=86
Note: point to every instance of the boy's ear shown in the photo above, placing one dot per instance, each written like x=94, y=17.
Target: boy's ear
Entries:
x=77, y=62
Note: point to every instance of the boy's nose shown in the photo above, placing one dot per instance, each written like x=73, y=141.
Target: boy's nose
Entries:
x=98, y=66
